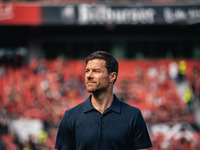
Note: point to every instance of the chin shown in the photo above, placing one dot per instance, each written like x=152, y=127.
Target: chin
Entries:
x=95, y=91
x=91, y=90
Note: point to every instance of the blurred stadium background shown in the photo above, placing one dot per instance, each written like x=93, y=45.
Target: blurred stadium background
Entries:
x=43, y=44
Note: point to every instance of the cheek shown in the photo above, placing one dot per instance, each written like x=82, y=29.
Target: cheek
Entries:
x=105, y=80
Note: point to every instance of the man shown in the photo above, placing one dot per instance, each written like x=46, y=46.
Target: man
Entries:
x=102, y=122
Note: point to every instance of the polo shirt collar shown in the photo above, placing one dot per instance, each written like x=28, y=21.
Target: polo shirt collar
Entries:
x=114, y=107
x=88, y=105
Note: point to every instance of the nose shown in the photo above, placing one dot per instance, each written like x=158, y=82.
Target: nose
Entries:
x=89, y=75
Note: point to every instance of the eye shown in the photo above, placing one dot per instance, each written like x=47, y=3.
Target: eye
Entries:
x=97, y=70
x=87, y=70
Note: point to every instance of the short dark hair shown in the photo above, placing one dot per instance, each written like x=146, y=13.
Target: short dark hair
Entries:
x=111, y=62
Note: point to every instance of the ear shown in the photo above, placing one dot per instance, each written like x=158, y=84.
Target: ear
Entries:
x=113, y=76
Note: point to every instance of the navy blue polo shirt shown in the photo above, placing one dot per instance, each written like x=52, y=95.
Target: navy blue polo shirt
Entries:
x=120, y=127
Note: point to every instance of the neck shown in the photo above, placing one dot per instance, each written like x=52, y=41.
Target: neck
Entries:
x=102, y=101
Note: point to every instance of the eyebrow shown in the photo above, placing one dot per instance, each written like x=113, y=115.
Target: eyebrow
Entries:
x=95, y=69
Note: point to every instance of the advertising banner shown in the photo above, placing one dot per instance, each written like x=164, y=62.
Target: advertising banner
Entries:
x=97, y=14
x=19, y=14
x=100, y=14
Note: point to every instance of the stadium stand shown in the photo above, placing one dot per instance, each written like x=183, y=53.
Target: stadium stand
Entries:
x=44, y=89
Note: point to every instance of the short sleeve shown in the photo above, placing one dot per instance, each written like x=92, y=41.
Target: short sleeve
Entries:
x=64, y=139
x=140, y=134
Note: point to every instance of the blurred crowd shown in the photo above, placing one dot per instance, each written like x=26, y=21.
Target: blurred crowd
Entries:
x=165, y=87
x=43, y=89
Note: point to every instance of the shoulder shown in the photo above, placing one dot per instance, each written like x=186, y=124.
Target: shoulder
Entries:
x=130, y=112
x=74, y=112
x=128, y=108
x=124, y=107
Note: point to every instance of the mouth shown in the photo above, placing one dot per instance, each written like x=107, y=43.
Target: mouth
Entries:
x=90, y=83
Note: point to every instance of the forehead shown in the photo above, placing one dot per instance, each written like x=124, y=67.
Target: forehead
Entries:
x=96, y=63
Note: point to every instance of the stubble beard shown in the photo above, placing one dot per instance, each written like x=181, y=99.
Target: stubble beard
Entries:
x=96, y=90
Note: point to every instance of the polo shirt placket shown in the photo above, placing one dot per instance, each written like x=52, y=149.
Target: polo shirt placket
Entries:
x=88, y=108
x=102, y=125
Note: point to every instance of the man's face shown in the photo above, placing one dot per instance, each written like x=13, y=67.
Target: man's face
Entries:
x=96, y=76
